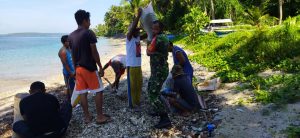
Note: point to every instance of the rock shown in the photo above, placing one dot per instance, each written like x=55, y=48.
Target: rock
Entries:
x=197, y=129
x=194, y=120
x=127, y=123
x=295, y=123
x=270, y=106
x=267, y=109
x=240, y=110
x=124, y=110
x=214, y=109
x=137, y=121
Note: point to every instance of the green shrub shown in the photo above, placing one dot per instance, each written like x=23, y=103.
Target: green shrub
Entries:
x=293, y=132
x=194, y=21
x=245, y=53
x=241, y=55
x=263, y=96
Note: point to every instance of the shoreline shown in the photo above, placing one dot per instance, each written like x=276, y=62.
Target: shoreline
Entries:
x=53, y=83
x=56, y=82
x=55, y=79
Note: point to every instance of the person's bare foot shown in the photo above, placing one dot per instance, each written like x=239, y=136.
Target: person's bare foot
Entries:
x=88, y=119
x=102, y=119
x=185, y=114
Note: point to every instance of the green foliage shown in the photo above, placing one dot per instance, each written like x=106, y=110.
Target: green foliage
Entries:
x=194, y=21
x=171, y=12
x=241, y=55
x=289, y=65
x=293, y=131
x=289, y=91
x=100, y=30
x=262, y=96
x=243, y=102
x=117, y=20
x=173, y=16
x=257, y=15
x=229, y=9
x=276, y=89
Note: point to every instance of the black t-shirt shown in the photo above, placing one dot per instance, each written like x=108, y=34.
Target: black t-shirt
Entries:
x=80, y=41
x=41, y=113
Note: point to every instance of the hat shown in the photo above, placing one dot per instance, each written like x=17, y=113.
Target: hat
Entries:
x=177, y=70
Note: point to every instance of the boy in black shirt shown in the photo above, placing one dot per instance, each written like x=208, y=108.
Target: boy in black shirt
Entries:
x=42, y=114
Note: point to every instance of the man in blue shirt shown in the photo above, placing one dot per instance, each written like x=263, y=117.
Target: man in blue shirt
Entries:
x=179, y=94
x=65, y=56
x=181, y=58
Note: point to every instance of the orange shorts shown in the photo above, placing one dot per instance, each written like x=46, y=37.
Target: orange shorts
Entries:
x=87, y=81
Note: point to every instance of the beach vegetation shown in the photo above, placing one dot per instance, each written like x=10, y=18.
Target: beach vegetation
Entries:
x=258, y=42
x=242, y=55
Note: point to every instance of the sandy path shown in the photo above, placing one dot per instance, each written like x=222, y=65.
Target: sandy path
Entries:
x=252, y=119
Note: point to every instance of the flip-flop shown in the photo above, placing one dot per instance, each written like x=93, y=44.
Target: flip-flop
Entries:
x=104, y=122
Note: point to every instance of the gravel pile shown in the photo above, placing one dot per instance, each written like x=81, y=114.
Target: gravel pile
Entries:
x=129, y=123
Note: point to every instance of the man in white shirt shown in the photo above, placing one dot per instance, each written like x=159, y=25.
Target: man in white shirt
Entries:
x=133, y=63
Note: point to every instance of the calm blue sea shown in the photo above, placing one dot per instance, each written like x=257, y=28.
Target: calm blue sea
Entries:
x=35, y=58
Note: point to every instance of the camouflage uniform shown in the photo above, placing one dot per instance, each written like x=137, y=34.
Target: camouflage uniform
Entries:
x=159, y=72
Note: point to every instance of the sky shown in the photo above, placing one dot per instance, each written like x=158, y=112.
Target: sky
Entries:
x=49, y=16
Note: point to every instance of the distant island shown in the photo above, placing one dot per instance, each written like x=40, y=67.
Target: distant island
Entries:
x=32, y=34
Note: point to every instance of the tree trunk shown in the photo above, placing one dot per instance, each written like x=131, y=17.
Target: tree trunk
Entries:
x=212, y=10
x=204, y=7
x=280, y=11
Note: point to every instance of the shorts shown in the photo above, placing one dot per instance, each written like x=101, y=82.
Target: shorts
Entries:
x=69, y=81
x=87, y=81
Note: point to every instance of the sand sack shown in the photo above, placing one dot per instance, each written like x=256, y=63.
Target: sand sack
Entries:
x=75, y=98
x=147, y=18
x=17, y=113
x=210, y=85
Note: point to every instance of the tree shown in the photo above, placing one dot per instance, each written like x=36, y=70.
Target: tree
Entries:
x=194, y=21
x=212, y=10
x=100, y=30
x=280, y=10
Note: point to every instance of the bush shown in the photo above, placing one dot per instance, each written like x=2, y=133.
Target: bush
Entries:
x=241, y=55
x=245, y=53
x=293, y=131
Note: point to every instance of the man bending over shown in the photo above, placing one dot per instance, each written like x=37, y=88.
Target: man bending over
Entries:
x=118, y=63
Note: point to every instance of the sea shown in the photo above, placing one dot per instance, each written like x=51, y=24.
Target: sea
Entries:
x=25, y=58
